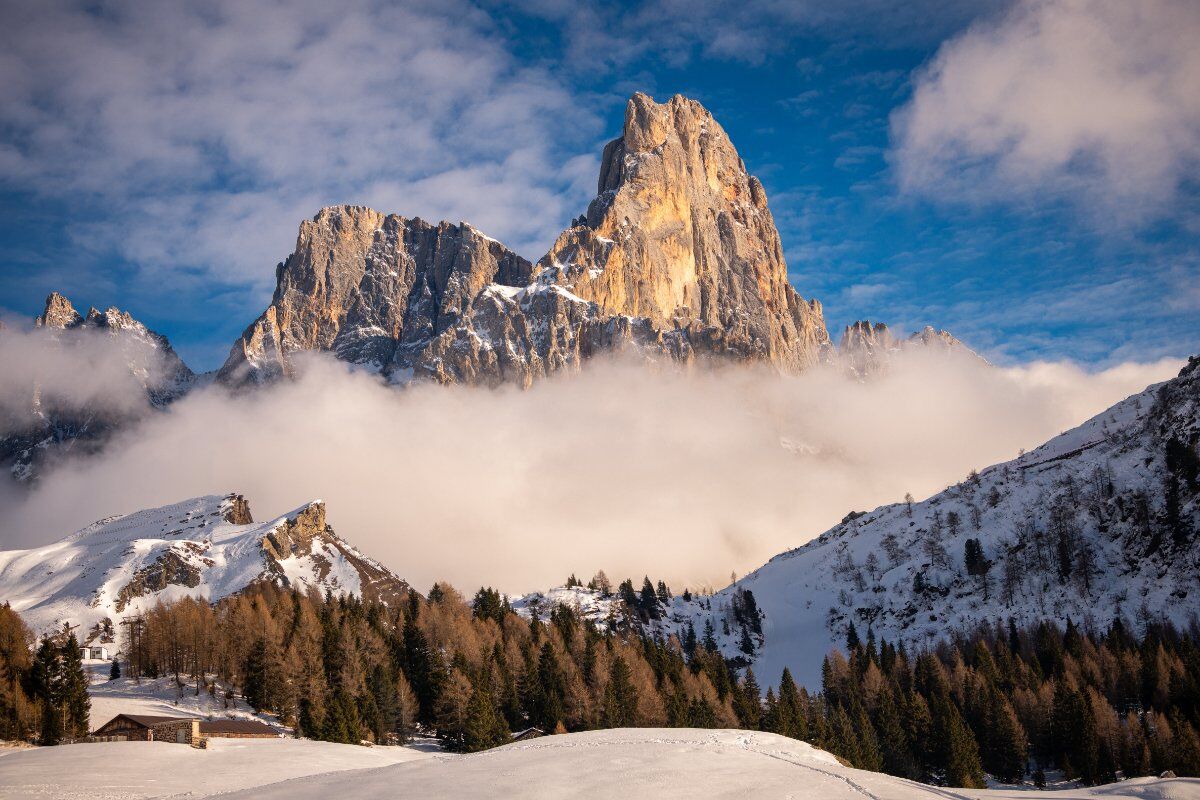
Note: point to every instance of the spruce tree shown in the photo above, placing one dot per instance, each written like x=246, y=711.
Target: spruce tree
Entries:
x=620, y=696
x=77, y=705
x=484, y=727
x=114, y=672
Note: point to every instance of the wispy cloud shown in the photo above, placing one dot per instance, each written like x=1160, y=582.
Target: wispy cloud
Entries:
x=1090, y=101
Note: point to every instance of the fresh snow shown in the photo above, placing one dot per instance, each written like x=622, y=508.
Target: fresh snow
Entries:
x=649, y=762
x=1092, y=477
x=83, y=578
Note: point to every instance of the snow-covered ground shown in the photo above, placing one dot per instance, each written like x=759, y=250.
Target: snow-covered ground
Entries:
x=625, y=763
x=128, y=770
x=160, y=697
x=203, y=547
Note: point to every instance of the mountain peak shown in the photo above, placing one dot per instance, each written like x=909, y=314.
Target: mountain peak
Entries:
x=59, y=313
x=680, y=234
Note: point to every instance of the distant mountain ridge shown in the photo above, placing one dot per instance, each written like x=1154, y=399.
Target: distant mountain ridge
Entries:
x=50, y=425
x=207, y=547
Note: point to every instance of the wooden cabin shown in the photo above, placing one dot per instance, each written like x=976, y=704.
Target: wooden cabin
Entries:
x=181, y=730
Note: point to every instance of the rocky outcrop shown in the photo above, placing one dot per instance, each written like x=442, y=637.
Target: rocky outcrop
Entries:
x=370, y=288
x=677, y=256
x=59, y=313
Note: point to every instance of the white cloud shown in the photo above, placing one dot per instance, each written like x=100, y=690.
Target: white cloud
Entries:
x=205, y=131
x=683, y=476
x=1092, y=100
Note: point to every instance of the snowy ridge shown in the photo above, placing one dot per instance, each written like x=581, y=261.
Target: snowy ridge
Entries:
x=1103, y=520
x=205, y=547
x=1079, y=529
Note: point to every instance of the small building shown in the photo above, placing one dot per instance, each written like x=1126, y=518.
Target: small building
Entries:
x=528, y=733
x=148, y=728
x=97, y=652
x=181, y=730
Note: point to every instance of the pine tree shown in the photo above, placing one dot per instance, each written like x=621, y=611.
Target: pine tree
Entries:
x=77, y=705
x=114, y=672
x=748, y=704
x=894, y=749
x=620, y=696
x=484, y=727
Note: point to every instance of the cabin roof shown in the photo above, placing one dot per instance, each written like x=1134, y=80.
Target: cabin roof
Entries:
x=235, y=726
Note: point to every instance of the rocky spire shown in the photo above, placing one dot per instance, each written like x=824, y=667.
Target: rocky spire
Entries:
x=865, y=348
x=681, y=235
x=59, y=313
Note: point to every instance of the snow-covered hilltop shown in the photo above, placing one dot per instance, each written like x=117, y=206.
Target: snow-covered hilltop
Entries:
x=204, y=547
x=1100, y=521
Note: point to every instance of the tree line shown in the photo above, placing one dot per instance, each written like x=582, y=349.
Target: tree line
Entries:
x=1008, y=702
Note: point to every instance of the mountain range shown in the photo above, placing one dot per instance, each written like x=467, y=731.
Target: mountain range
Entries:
x=676, y=258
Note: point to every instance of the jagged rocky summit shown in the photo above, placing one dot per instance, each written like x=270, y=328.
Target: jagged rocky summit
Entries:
x=207, y=547
x=151, y=376
x=677, y=256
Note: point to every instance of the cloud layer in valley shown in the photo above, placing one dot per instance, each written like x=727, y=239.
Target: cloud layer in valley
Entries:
x=684, y=476
x=1091, y=100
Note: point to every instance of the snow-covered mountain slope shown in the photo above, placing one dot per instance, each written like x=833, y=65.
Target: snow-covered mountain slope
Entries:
x=204, y=547
x=1103, y=520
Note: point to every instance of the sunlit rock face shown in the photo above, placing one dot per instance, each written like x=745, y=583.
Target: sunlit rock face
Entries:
x=677, y=256
x=680, y=234
x=370, y=288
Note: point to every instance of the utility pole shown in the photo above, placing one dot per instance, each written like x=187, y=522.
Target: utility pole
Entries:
x=134, y=637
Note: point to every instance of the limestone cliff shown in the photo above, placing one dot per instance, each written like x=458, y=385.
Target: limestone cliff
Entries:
x=369, y=288
x=678, y=255
x=680, y=234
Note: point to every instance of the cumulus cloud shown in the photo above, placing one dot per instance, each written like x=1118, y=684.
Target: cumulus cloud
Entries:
x=679, y=475
x=1090, y=100
x=206, y=130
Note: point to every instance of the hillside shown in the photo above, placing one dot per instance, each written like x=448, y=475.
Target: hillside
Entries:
x=204, y=547
x=1098, y=522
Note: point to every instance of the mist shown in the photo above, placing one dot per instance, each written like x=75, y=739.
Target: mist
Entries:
x=685, y=475
x=74, y=370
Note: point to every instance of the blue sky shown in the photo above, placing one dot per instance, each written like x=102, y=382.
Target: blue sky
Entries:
x=1023, y=174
